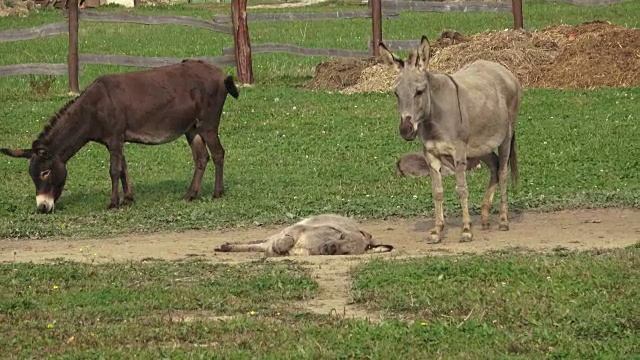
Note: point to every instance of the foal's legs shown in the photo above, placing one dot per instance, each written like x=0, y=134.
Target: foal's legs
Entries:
x=460, y=162
x=126, y=185
x=504, y=152
x=492, y=161
x=438, y=196
x=200, y=160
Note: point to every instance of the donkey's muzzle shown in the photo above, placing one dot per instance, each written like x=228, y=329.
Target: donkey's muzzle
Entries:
x=45, y=203
x=408, y=130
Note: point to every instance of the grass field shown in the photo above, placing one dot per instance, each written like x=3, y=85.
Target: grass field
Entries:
x=297, y=152
x=502, y=305
x=292, y=153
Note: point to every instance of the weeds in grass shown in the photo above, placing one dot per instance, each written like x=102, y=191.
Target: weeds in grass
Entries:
x=41, y=85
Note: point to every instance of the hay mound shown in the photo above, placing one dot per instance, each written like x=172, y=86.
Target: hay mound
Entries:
x=338, y=74
x=16, y=7
x=608, y=57
x=589, y=55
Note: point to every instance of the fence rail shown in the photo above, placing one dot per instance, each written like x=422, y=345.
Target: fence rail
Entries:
x=34, y=32
x=153, y=20
x=123, y=60
x=34, y=69
x=304, y=16
x=592, y=2
x=144, y=61
x=446, y=6
x=297, y=50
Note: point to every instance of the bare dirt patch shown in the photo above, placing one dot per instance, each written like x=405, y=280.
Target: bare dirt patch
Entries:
x=572, y=229
x=593, y=54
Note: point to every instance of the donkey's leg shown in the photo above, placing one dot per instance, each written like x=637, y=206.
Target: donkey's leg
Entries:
x=208, y=129
x=126, y=185
x=200, y=160
x=438, y=197
x=460, y=161
x=115, y=170
x=504, y=152
x=212, y=140
x=492, y=161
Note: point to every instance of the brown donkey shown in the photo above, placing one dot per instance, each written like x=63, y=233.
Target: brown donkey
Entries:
x=458, y=117
x=149, y=107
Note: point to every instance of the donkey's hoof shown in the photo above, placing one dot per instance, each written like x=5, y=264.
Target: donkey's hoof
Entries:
x=112, y=206
x=486, y=225
x=504, y=226
x=218, y=194
x=434, y=238
x=127, y=201
x=466, y=236
x=190, y=197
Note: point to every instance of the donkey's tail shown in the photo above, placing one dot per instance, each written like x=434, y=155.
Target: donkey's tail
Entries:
x=255, y=247
x=513, y=161
x=231, y=86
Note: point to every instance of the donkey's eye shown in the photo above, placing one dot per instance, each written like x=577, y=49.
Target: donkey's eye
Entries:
x=419, y=92
x=45, y=174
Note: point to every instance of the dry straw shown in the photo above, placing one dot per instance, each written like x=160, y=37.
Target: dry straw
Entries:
x=589, y=55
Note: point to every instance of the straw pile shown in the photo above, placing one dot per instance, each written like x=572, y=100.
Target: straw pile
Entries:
x=589, y=55
x=16, y=7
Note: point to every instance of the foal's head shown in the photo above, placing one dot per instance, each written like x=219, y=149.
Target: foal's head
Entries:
x=47, y=171
x=411, y=87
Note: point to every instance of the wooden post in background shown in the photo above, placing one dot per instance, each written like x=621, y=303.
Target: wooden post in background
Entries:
x=72, y=59
x=376, y=24
x=241, y=41
x=516, y=6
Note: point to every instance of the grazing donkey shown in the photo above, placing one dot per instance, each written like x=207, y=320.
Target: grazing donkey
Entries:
x=415, y=164
x=461, y=116
x=325, y=234
x=150, y=107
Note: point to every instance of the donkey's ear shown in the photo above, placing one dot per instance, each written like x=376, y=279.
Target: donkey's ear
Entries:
x=40, y=149
x=423, y=51
x=368, y=237
x=18, y=153
x=389, y=58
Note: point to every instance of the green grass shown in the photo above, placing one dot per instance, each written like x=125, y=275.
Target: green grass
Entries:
x=568, y=304
x=41, y=306
x=501, y=305
x=301, y=152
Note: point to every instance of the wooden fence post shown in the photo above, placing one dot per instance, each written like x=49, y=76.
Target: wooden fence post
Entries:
x=72, y=59
x=516, y=6
x=376, y=25
x=241, y=41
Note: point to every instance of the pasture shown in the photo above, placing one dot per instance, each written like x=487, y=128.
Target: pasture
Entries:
x=143, y=280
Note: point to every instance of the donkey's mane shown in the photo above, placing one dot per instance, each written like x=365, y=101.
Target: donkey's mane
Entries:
x=54, y=119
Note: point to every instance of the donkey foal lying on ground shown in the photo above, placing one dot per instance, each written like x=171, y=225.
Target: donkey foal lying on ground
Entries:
x=458, y=117
x=326, y=234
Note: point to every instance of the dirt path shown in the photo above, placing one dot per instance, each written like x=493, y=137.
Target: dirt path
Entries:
x=573, y=229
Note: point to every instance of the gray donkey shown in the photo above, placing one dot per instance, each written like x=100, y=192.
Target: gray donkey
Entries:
x=324, y=234
x=458, y=117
